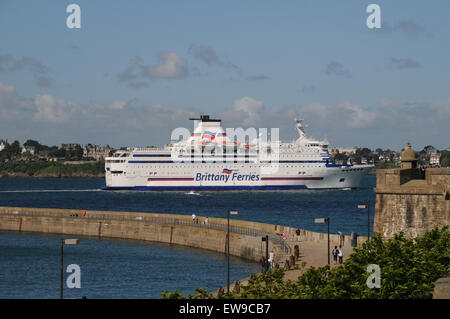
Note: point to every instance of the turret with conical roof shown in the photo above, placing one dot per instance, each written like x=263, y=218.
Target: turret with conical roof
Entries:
x=409, y=157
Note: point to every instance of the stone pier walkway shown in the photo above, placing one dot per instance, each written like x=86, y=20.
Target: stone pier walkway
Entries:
x=315, y=255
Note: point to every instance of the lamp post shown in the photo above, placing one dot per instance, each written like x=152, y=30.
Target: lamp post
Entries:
x=61, y=273
x=230, y=212
x=266, y=239
x=325, y=220
x=368, y=219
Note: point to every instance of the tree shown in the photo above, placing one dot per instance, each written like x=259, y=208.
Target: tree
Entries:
x=445, y=159
x=57, y=152
x=15, y=148
x=341, y=157
x=37, y=146
x=429, y=148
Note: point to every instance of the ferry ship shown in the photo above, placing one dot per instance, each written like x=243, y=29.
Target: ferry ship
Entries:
x=209, y=160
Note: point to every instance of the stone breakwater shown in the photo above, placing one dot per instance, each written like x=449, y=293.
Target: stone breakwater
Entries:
x=211, y=234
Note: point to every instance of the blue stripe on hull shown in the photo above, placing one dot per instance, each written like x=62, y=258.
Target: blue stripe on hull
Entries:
x=204, y=188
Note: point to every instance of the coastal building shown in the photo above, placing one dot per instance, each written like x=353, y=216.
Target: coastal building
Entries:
x=435, y=158
x=29, y=149
x=410, y=201
x=389, y=156
x=70, y=146
x=343, y=150
x=2, y=145
x=97, y=152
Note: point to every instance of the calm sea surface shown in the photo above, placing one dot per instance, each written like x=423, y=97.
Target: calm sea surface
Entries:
x=29, y=263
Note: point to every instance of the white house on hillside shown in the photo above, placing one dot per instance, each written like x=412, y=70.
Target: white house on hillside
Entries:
x=2, y=145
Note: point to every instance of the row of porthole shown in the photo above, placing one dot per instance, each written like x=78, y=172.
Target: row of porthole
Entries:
x=188, y=173
x=352, y=169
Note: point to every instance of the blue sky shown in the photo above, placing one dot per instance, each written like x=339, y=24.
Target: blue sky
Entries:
x=137, y=69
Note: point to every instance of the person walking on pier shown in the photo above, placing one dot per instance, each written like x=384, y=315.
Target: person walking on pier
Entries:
x=422, y=171
x=237, y=287
x=263, y=264
x=335, y=253
x=340, y=254
x=298, y=234
x=193, y=218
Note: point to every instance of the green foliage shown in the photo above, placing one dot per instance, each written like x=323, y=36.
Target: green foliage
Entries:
x=46, y=168
x=409, y=269
x=172, y=295
x=201, y=294
x=341, y=157
x=38, y=146
x=445, y=159
x=10, y=151
x=363, y=152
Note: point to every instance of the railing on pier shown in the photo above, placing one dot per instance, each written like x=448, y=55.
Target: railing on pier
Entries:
x=275, y=239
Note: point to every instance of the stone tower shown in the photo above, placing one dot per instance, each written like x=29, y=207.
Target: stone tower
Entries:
x=410, y=202
x=408, y=157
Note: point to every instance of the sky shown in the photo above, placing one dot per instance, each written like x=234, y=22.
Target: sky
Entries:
x=136, y=70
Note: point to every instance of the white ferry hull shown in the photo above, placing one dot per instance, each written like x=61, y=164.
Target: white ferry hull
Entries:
x=326, y=178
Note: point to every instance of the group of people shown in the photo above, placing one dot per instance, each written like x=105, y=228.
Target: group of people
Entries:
x=195, y=220
x=337, y=253
x=267, y=264
x=423, y=167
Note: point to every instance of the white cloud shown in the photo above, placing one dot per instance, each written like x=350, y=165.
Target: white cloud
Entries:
x=317, y=110
x=6, y=92
x=50, y=109
x=12, y=106
x=251, y=107
x=356, y=116
x=171, y=66
x=389, y=123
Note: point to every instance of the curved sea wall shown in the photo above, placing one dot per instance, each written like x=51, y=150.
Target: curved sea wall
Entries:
x=245, y=237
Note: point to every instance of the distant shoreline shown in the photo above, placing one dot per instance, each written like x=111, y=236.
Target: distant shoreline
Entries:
x=23, y=175
x=45, y=169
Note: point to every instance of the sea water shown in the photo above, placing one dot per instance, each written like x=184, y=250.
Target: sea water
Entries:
x=29, y=263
